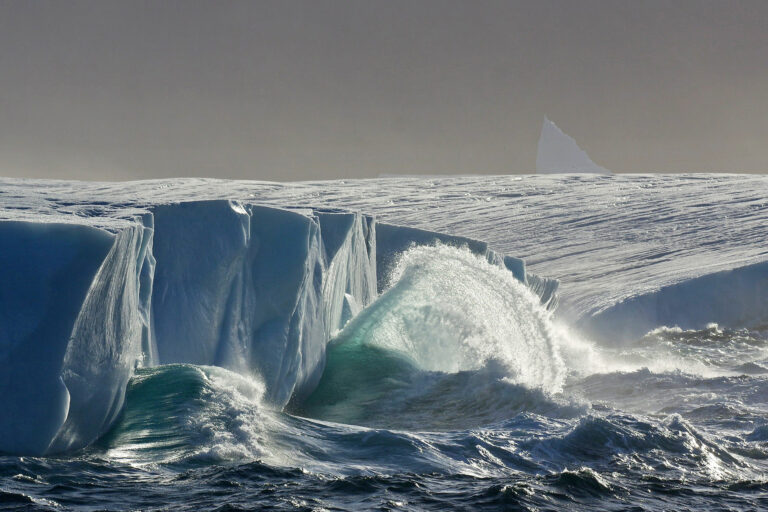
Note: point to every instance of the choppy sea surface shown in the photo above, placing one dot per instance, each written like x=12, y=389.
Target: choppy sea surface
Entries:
x=456, y=390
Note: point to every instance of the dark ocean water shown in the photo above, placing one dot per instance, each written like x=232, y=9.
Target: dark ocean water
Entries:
x=454, y=391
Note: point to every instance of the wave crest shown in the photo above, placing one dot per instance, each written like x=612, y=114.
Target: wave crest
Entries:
x=450, y=310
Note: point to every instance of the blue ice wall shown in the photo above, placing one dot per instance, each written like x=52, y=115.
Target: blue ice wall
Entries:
x=46, y=271
x=256, y=289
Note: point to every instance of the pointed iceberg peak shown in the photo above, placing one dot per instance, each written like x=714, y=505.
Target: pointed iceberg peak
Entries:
x=559, y=153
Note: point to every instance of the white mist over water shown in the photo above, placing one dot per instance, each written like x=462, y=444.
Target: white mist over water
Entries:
x=450, y=310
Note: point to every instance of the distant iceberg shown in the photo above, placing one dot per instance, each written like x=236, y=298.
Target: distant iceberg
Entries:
x=559, y=153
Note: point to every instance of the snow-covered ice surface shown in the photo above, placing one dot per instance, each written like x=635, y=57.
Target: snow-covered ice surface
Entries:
x=606, y=238
x=451, y=387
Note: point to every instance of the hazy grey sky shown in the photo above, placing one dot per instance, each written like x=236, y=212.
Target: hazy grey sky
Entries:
x=327, y=89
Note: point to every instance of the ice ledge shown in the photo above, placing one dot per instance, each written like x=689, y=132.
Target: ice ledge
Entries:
x=733, y=298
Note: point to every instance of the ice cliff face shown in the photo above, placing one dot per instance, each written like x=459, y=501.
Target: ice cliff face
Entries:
x=46, y=272
x=110, y=336
x=257, y=289
x=227, y=283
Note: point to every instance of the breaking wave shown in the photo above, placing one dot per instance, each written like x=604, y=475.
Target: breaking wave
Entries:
x=455, y=342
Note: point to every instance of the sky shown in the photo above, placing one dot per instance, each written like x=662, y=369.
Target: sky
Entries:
x=300, y=90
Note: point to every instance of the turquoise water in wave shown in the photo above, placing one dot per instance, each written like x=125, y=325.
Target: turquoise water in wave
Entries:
x=453, y=391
